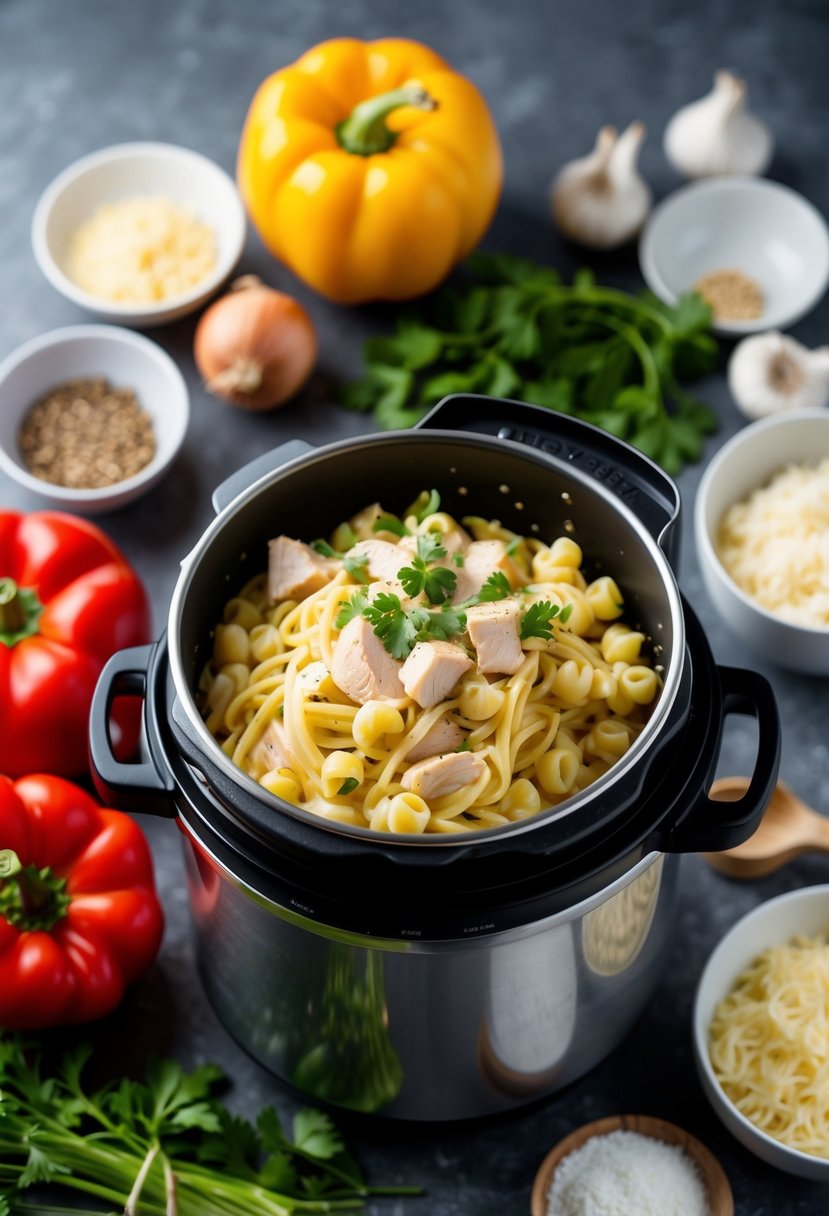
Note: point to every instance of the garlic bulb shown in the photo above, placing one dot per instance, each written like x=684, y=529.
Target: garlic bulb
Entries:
x=718, y=135
x=601, y=200
x=770, y=372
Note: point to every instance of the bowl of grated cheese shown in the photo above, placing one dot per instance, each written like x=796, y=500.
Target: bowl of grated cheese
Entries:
x=139, y=233
x=761, y=1031
x=762, y=535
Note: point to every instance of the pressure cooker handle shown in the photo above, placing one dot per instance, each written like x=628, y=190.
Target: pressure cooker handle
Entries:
x=240, y=481
x=710, y=825
x=145, y=785
x=624, y=470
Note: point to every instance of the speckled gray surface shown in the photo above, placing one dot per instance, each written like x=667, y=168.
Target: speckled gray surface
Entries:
x=77, y=76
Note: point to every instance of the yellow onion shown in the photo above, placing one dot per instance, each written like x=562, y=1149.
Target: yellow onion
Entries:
x=255, y=347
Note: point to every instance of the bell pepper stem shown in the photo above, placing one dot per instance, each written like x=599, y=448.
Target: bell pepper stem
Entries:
x=12, y=616
x=20, y=611
x=30, y=898
x=10, y=864
x=365, y=132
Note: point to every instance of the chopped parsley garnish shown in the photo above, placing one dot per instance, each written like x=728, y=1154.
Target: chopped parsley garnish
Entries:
x=496, y=587
x=438, y=582
x=426, y=503
x=463, y=747
x=355, y=564
x=348, y=786
x=442, y=625
x=357, y=567
x=458, y=559
x=354, y=606
x=537, y=620
x=389, y=523
x=392, y=624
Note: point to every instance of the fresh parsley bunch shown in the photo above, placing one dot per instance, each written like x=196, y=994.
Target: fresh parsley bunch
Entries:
x=514, y=329
x=165, y=1147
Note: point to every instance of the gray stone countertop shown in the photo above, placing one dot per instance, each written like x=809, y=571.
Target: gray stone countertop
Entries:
x=77, y=76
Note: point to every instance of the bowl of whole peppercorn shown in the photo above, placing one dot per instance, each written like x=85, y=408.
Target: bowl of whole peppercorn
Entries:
x=91, y=416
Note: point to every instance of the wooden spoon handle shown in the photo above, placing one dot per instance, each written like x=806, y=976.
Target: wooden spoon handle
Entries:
x=821, y=837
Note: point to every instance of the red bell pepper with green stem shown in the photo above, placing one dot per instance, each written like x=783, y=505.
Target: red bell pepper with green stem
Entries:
x=68, y=600
x=79, y=916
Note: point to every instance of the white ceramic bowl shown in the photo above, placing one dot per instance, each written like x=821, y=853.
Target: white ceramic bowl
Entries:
x=774, y=922
x=759, y=227
x=746, y=462
x=130, y=171
x=127, y=360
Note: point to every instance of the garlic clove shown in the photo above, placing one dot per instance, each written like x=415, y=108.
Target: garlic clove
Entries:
x=718, y=134
x=601, y=200
x=771, y=372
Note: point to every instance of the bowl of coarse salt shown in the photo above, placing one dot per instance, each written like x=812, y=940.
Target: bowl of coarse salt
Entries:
x=762, y=533
x=139, y=233
x=632, y=1165
x=91, y=417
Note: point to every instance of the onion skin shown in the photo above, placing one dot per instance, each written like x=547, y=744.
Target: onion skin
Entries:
x=255, y=347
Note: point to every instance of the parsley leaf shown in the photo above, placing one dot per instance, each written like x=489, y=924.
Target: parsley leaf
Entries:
x=514, y=329
x=458, y=560
x=392, y=624
x=357, y=567
x=389, y=523
x=442, y=625
x=315, y=1134
x=352, y=607
x=496, y=587
x=426, y=503
x=536, y=622
x=438, y=582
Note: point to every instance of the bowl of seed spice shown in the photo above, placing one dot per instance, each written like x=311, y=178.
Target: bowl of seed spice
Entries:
x=91, y=416
x=756, y=251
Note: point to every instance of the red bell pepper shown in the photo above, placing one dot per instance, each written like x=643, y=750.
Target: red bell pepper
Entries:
x=68, y=600
x=79, y=916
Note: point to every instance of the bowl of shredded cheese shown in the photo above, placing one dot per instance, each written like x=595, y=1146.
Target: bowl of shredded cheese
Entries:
x=762, y=535
x=761, y=1031
x=139, y=233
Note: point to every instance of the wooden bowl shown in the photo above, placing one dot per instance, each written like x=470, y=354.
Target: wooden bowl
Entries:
x=720, y=1198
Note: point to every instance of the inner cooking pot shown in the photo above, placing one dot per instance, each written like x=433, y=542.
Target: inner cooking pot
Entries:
x=522, y=487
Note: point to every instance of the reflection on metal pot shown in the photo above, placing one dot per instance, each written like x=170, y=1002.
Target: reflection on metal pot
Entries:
x=613, y=933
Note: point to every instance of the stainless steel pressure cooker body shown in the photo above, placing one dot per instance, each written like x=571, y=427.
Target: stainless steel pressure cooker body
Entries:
x=440, y=977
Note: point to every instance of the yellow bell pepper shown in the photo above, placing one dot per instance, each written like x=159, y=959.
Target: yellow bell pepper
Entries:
x=370, y=168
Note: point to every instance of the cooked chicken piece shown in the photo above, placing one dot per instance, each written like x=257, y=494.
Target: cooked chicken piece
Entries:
x=362, y=668
x=296, y=570
x=493, y=631
x=389, y=586
x=444, y=736
x=445, y=774
x=363, y=522
x=432, y=670
x=273, y=749
x=482, y=558
x=384, y=558
x=456, y=540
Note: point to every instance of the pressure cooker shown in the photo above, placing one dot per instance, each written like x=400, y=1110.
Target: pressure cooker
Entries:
x=440, y=977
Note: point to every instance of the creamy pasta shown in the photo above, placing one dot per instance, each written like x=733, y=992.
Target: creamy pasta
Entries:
x=450, y=743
